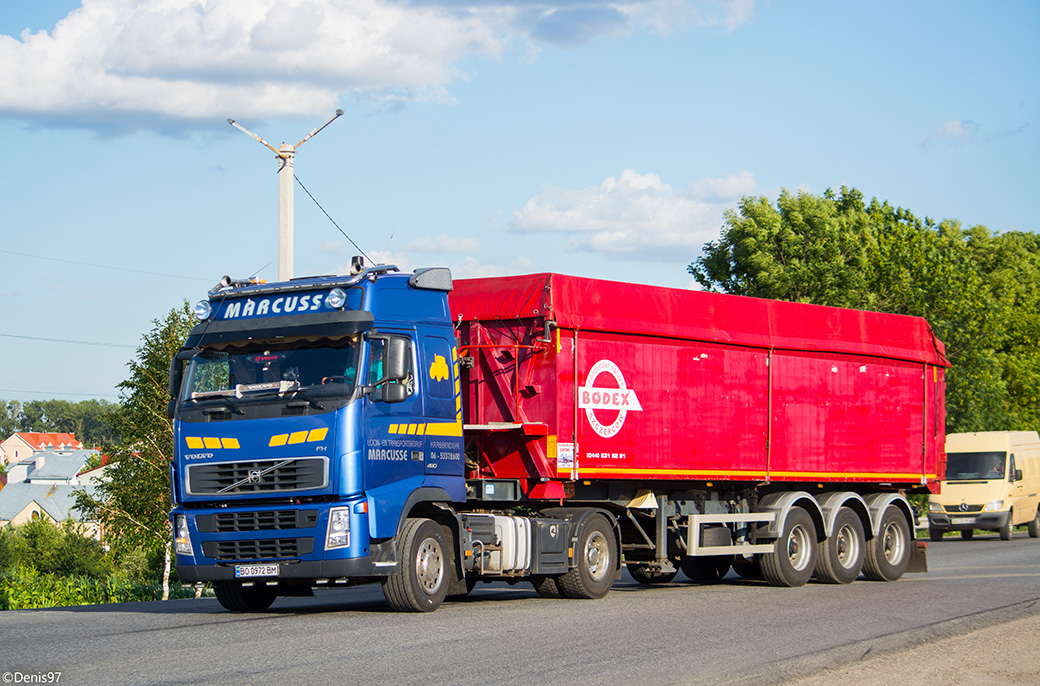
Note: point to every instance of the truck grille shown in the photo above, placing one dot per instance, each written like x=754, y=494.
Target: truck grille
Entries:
x=267, y=549
x=274, y=520
x=258, y=476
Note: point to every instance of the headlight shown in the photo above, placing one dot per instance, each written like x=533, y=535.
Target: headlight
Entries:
x=994, y=506
x=336, y=298
x=339, y=528
x=935, y=507
x=203, y=310
x=183, y=540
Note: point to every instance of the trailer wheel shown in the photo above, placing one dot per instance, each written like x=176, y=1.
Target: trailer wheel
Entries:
x=888, y=553
x=596, y=553
x=840, y=558
x=420, y=582
x=791, y=561
x=644, y=575
x=238, y=598
x=1009, y=526
x=748, y=567
x=1034, y=526
x=706, y=569
x=546, y=586
x=935, y=534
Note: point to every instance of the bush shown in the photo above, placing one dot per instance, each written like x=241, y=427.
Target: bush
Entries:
x=23, y=587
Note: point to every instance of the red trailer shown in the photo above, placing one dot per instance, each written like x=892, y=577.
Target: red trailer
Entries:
x=719, y=429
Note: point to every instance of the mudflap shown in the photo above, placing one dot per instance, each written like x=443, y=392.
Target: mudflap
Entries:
x=918, y=558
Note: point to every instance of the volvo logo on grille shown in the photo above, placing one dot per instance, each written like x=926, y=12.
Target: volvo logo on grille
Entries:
x=963, y=506
x=254, y=476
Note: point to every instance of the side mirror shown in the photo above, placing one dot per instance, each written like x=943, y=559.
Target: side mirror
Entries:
x=176, y=377
x=397, y=358
x=1018, y=475
x=395, y=392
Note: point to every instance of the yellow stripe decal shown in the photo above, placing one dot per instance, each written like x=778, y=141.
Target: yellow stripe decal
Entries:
x=278, y=440
x=194, y=442
x=211, y=443
x=753, y=474
x=297, y=437
x=317, y=435
x=229, y=443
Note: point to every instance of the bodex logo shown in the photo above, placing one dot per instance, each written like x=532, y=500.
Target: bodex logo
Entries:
x=620, y=399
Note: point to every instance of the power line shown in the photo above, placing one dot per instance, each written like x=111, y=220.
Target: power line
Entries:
x=102, y=266
x=62, y=340
x=86, y=395
x=330, y=218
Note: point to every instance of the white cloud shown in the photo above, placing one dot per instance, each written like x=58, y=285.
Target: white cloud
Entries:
x=635, y=213
x=125, y=62
x=953, y=131
x=471, y=268
x=444, y=243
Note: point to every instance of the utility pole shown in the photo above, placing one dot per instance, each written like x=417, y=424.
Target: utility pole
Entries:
x=285, y=156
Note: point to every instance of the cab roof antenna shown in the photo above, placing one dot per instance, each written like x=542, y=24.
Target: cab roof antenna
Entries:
x=285, y=155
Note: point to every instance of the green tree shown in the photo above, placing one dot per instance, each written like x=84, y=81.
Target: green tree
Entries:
x=979, y=291
x=133, y=502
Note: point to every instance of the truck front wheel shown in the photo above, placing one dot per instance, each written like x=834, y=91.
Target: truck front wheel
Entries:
x=596, y=553
x=238, y=598
x=420, y=582
x=888, y=553
x=791, y=561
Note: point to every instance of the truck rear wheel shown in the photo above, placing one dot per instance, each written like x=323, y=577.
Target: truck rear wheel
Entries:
x=546, y=586
x=707, y=569
x=840, y=559
x=748, y=567
x=420, y=582
x=794, y=554
x=238, y=598
x=888, y=553
x=596, y=553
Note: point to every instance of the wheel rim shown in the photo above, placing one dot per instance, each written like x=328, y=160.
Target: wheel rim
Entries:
x=429, y=566
x=597, y=555
x=799, y=549
x=894, y=543
x=847, y=547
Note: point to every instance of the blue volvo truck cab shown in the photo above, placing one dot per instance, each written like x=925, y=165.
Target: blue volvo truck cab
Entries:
x=310, y=417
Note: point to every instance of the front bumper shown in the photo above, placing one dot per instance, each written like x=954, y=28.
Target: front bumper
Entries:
x=951, y=521
x=354, y=568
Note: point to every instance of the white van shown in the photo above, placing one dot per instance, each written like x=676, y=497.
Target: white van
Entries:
x=992, y=483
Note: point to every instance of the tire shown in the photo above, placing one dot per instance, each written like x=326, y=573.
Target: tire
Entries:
x=709, y=569
x=934, y=534
x=238, y=598
x=966, y=534
x=1009, y=527
x=1034, y=526
x=546, y=586
x=839, y=559
x=793, y=556
x=421, y=580
x=888, y=553
x=596, y=553
x=647, y=576
x=748, y=568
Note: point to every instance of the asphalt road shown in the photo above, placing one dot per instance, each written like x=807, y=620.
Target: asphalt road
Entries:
x=680, y=633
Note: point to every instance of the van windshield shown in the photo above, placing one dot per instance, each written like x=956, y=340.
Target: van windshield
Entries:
x=974, y=466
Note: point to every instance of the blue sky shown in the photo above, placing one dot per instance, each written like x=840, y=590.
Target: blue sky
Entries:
x=591, y=138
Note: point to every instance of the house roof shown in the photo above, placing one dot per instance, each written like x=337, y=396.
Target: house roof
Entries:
x=63, y=466
x=48, y=441
x=57, y=500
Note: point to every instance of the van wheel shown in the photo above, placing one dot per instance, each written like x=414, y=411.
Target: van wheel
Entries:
x=420, y=582
x=935, y=534
x=596, y=553
x=966, y=534
x=888, y=553
x=794, y=554
x=1034, y=526
x=1009, y=526
x=840, y=558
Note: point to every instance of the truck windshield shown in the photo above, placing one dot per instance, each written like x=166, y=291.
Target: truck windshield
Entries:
x=974, y=466
x=265, y=368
